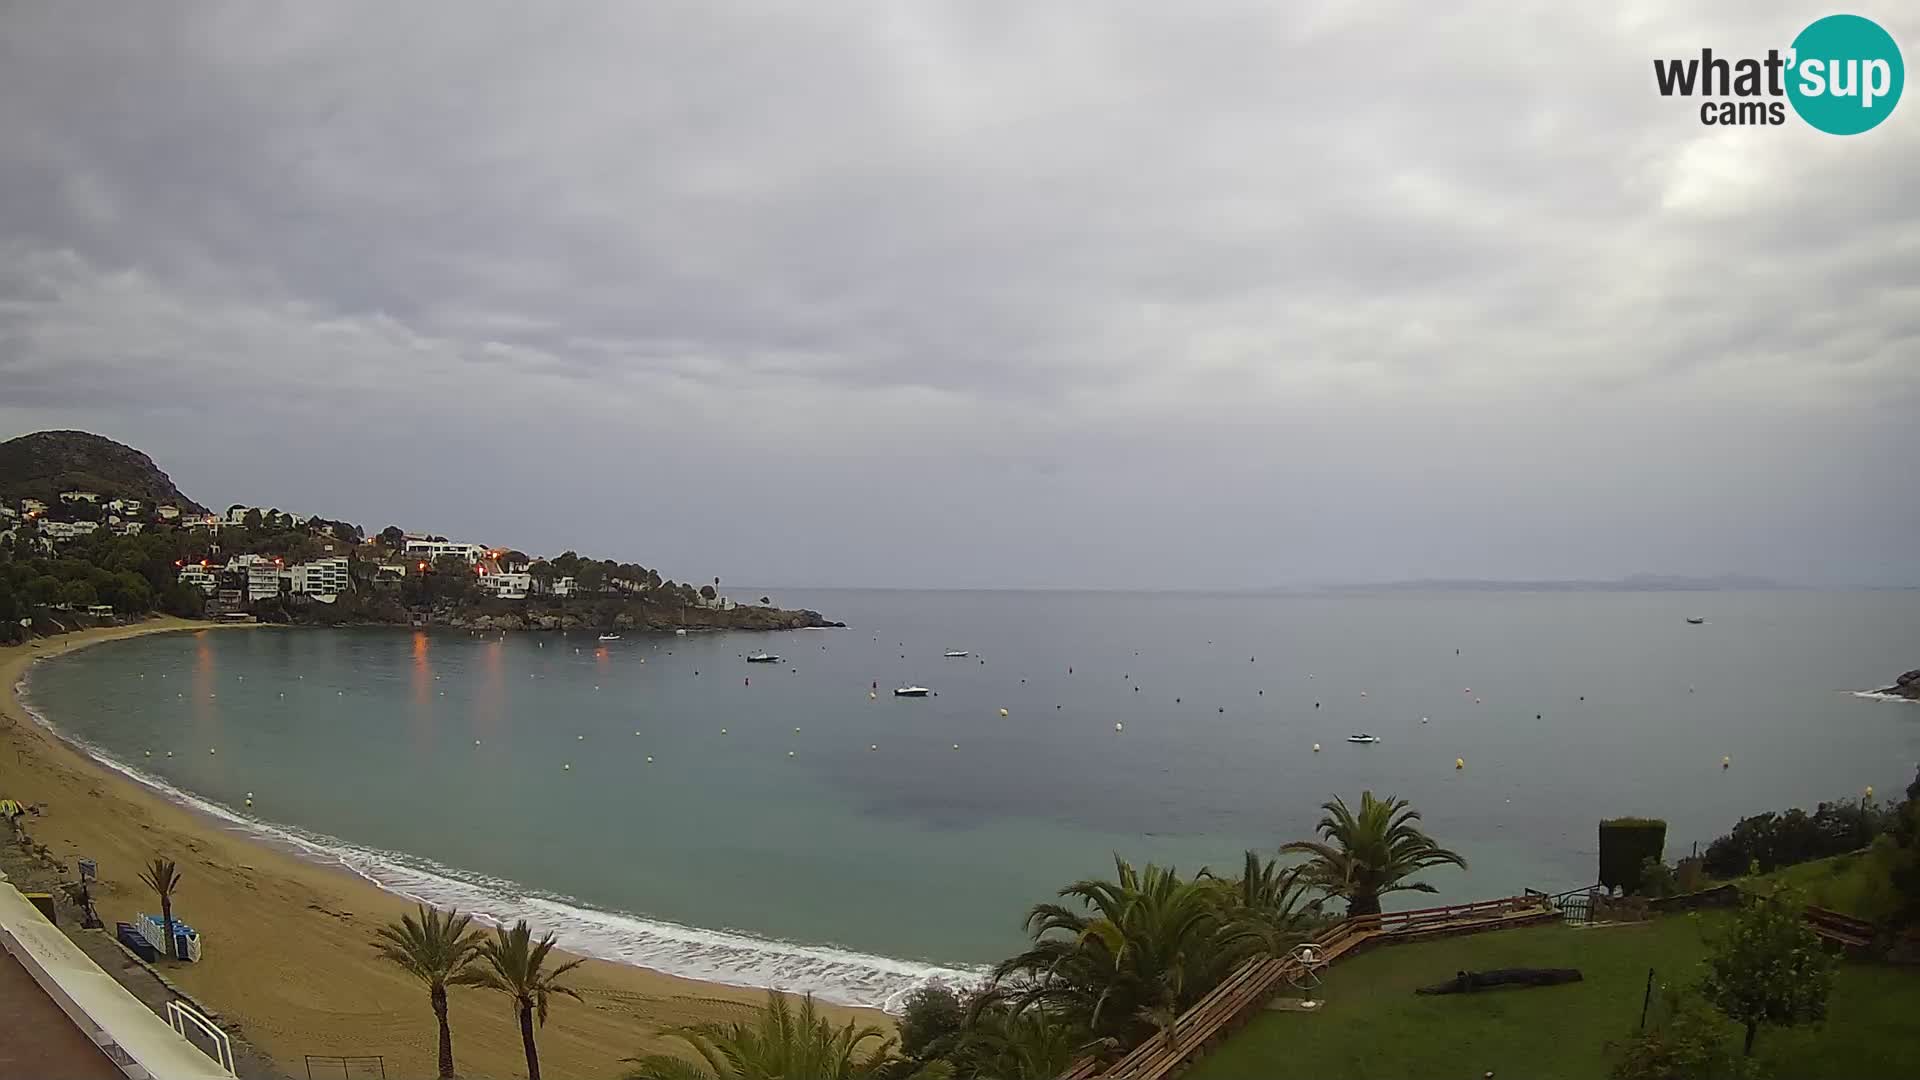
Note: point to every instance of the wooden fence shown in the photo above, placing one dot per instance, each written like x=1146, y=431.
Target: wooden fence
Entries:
x=1255, y=982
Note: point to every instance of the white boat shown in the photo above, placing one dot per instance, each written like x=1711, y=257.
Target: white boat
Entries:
x=1363, y=737
x=679, y=633
x=911, y=691
x=763, y=658
x=609, y=637
x=958, y=652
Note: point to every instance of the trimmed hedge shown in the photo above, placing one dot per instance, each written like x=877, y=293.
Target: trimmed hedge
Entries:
x=1625, y=846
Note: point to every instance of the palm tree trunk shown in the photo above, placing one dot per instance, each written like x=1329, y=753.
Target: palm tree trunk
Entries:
x=166, y=922
x=1752, y=1030
x=1363, y=903
x=526, y=1036
x=439, y=997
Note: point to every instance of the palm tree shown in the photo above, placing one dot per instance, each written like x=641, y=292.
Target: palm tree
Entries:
x=440, y=951
x=164, y=878
x=1137, y=951
x=779, y=1041
x=1016, y=1044
x=1364, y=857
x=1267, y=908
x=514, y=962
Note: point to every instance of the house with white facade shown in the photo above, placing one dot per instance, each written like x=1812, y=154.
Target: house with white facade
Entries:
x=67, y=530
x=128, y=528
x=79, y=497
x=32, y=506
x=167, y=513
x=430, y=550
x=125, y=506
x=506, y=585
x=8, y=513
x=200, y=576
x=321, y=579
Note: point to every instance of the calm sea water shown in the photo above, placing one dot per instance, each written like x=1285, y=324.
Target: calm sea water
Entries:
x=790, y=830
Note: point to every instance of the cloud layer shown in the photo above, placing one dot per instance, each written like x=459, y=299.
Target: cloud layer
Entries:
x=975, y=294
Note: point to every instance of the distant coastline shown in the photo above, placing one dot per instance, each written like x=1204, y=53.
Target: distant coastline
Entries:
x=1633, y=583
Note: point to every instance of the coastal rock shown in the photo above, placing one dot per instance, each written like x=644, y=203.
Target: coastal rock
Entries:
x=1906, y=686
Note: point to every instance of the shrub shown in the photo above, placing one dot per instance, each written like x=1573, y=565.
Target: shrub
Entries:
x=1657, y=879
x=930, y=1020
x=1773, y=840
x=1625, y=846
x=1689, y=1045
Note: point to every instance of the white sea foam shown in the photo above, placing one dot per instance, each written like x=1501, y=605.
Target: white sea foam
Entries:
x=1875, y=695
x=722, y=956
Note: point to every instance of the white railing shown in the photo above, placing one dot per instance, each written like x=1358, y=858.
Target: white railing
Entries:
x=182, y=1015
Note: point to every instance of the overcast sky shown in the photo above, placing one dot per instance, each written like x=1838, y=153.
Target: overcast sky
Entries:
x=976, y=294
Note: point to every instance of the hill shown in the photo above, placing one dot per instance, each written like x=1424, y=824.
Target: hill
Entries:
x=46, y=463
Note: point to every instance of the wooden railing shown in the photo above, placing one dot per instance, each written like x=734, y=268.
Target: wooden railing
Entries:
x=1844, y=930
x=1253, y=983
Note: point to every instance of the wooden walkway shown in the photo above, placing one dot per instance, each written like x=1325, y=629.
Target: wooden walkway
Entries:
x=1255, y=982
x=1842, y=930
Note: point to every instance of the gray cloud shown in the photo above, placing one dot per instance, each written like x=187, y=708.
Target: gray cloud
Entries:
x=974, y=294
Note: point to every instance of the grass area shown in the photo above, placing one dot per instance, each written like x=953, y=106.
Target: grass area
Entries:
x=1374, y=1026
x=1858, y=884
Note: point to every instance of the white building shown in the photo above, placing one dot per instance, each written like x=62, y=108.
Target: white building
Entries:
x=8, y=513
x=263, y=580
x=508, y=585
x=128, y=528
x=125, y=506
x=32, y=506
x=67, y=530
x=321, y=579
x=200, y=576
x=168, y=513
x=430, y=550
x=79, y=496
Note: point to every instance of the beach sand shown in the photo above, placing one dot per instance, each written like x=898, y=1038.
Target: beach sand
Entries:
x=288, y=956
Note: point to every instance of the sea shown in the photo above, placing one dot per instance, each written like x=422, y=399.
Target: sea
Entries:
x=660, y=801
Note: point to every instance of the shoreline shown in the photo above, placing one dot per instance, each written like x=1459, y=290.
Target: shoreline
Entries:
x=289, y=960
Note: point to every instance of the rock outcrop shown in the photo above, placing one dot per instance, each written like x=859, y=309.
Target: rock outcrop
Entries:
x=1906, y=686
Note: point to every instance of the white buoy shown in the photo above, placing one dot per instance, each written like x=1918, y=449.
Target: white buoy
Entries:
x=1316, y=748
x=476, y=742
x=169, y=753
x=567, y=768
x=582, y=738
x=1726, y=761
x=956, y=746
x=1003, y=712
x=212, y=750
x=796, y=731
x=649, y=759
x=636, y=733
x=1119, y=727
x=874, y=746
x=789, y=753
x=871, y=695
x=1363, y=693
x=723, y=731
x=249, y=794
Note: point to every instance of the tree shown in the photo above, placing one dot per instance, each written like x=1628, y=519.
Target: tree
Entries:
x=164, y=878
x=1128, y=957
x=79, y=593
x=930, y=1021
x=1005, y=1043
x=779, y=1041
x=1268, y=907
x=1769, y=968
x=392, y=536
x=707, y=593
x=515, y=967
x=1364, y=857
x=253, y=521
x=439, y=950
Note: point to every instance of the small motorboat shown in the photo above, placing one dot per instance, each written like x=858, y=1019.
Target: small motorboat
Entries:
x=763, y=658
x=609, y=637
x=1363, y=737
x=1692, y=621
x=952, y=653
x=911, y=691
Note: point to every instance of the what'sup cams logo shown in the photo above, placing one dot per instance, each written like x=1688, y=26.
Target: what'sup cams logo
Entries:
x=1843, y=75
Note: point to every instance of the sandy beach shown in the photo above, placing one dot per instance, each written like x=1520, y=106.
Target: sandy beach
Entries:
x=288, y=960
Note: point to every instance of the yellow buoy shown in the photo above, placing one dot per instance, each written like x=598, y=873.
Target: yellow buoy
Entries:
x=249, y=802
x=1003, y=712
x=1869, y=791
x=1459, y=763
x=1726, y=761
x=149, y=753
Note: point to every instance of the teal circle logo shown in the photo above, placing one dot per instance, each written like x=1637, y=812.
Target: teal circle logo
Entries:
x=1846, y=75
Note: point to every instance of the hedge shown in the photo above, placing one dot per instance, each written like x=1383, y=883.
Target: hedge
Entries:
x=1625, y=845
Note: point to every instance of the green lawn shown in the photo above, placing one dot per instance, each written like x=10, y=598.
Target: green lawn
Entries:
x=1374, y=1026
